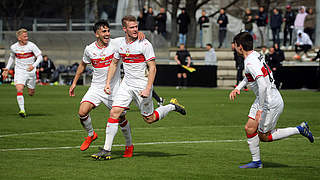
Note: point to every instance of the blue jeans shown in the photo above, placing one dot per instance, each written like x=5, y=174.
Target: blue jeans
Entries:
x=182, y=38
x=201, y=45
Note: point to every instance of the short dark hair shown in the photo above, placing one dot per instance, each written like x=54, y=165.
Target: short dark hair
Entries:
x=126, y=19
x=209, y=45
x=99, y=24
x=245, y=39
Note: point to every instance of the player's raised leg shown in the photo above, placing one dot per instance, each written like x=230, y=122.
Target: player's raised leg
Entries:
x=20, y=99
x=86, y=123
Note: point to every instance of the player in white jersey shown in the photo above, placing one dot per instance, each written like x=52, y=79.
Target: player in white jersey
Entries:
x=27, y=56
x=137, y=84
x=100, y=54
x=268, y=105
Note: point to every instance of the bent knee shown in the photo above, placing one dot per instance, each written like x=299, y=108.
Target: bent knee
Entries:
x=82, y=113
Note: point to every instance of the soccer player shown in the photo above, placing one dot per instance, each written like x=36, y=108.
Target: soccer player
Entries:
x=137, y=57
x=99, y=54
x=268, y=105
x=27, y=56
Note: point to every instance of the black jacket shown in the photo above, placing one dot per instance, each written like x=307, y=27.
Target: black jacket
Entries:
x=276, y=21
x=290, y=17
x=203, y=19
x=161, y=22
x=224, y=18
x=183, y=20
x=262, y=19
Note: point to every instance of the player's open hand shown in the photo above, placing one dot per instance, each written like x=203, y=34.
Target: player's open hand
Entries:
x=233, y=94
x=144, y=93
x=107, y=89
x=71, y=90
x=30, y=67
x=5, y=73
x=141, y=36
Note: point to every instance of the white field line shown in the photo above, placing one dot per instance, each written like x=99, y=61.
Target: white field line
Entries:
x=82, y=130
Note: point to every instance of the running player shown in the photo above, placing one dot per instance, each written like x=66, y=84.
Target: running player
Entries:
x=268, y=105
x=27, y=56
x=136, y=85
x=99, y=54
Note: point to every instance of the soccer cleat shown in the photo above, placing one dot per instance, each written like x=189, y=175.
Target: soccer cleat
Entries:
x=160, y=103
x=85, y=145
x=129, y=151
x=305, y=131
x=179, y=108
x=103, y=154
x=22, y=114
x=253, y=164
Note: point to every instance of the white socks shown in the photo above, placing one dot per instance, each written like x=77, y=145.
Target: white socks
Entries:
x=164, y=110
x=253, y=142
x=20, y=100
x=86, y=124
x=278, y=134
x=111, y=131
x=126, y=130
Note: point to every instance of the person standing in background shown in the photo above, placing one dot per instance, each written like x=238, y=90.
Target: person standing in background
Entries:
x=223, y=22
x=203, y=19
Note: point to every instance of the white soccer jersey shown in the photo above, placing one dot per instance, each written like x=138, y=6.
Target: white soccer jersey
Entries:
x=100, y=59
x=255, y=67
x=24, y=55
x=135, y=56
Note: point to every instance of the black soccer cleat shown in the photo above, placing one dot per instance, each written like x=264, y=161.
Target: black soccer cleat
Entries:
x=179, y=108
x=103, y=154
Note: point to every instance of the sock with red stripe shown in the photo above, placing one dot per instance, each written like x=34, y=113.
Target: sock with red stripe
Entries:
x=164, y=110
x=126, y=131
x=253, y=142
x=278, y=134
x=86, y=124
x=111, y=131
x=20, y=100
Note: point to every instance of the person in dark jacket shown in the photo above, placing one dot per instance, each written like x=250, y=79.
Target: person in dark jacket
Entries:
x=262, y=21
x=46, y=69
x=161, y=22
x=288, y=19
x=183, y=21
x=275, y=24
x=142, y=20
x=274, y=62
x=203, y=19
x=150, y=20
x=247, y=21
x=223, y=22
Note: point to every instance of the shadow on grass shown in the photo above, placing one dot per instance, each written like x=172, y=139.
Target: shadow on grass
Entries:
x=278, y=165
x=39, y=114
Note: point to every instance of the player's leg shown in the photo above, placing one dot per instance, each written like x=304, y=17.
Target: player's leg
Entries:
x=20, y=99
x=126, y=131
x=85, y=120
x=159, y=100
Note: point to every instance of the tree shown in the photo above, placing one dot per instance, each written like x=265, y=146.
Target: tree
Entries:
x=175, y=5
x=12, y=9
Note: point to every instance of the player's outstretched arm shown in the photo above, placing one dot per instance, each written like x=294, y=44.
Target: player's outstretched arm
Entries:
x=5, y=70
x=80, y=70
x=111, y=71
x=152, y=74
x=234, y=94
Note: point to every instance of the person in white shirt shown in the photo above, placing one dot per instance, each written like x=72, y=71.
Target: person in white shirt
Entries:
x=210, y=56
x=303, y=43
x=268, y=105
x=139, y=72
x=27, y=56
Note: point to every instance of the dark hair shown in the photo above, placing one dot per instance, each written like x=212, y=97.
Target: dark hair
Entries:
x=99, y=24
x=126, y=19
x=209, y=45
x=245, y=39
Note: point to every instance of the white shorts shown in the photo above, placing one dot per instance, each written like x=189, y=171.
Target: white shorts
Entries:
x=26, y=78
x=125, y=94
x=96, y=95
x=269, y=117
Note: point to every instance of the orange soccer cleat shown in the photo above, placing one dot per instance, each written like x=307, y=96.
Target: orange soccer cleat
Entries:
x=129, y=151
x=85, y=145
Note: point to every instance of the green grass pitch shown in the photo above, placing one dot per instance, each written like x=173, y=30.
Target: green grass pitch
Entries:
x=208, y=143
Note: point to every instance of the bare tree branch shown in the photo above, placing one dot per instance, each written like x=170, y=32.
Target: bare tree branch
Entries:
x=226, y=7
x=202, y=3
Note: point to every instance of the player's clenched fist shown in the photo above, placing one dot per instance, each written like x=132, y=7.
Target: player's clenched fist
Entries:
x=233, y=94
x=107, y=89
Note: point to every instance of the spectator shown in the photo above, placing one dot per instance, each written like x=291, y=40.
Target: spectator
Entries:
x=46, y=69
x=275, y=24
x=262, y=21
x=247, y=21
x=274, y=62
x=288, y=19
x=239, y=65
x=222, y=21
x=183, y=20
x=181, y=56
x=150, y=20
x=309, y=23
x=210, y=57
x=203, y=19
x=161, y=22
x=142, y=20
x=299, y=21
x=303, y=43
x=264, y=51
x=279, y=52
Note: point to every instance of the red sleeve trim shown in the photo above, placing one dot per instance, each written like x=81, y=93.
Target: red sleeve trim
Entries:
x=150, y=59
x=252, y=135
x=252, y=118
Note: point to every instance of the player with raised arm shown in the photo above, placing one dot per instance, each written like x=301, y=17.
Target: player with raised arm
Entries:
x=268, y=105
x=137, y=84
x=99, y=54
x=27, y=56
